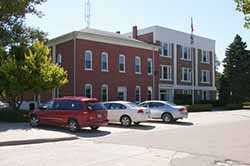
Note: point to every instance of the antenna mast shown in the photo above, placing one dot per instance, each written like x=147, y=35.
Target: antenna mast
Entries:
x=87, y=12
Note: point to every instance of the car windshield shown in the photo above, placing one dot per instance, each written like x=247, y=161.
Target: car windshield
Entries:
x=96, y=106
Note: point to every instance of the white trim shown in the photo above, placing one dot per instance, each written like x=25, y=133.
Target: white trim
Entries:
x=107, y=60
x=138, y=88
x=123, y=56
x=91, y=89
x=196, y=67
x=107, y=93
x=205, y=53
x=189, y=74
x=150, y=60
x=124, y=90
x=190, y=87
x=149, y=88
x=169, y=55
x=59, y=61
x=138, y=58
x=175, y=64
x=91, y=58
x=207, y=74
x=213, y=68
x=189, y=56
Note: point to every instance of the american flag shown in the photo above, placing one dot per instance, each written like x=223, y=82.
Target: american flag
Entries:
x=192, y=32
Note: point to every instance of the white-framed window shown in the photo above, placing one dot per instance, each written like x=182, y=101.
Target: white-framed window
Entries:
x=88, y=90
x=186, y=74
x=166, y=73
x=104, y=61
x=150, y=66
x=138, y=94
x=205, y=76
x=205, y=95
x=166, y=50
x=186, y=54
x=104, y=92
x=59, y=59
x=88, y=60
x=205, y=57
x=122, y=93
x=150, y=93
x=187, y=92
x=137, y=65
x=122, y=64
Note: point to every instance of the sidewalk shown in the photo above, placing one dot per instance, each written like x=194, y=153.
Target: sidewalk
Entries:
x=21, y=133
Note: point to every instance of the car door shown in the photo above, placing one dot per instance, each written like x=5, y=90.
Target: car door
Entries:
x=117, y=111
x=97, y=112
x=110, y=111
x=47, y=113
x=156, y=109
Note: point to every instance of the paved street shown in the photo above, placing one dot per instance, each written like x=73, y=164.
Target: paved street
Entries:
x=204, y=139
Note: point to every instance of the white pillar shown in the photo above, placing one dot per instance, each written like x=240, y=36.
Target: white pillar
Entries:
x=175, y=64
x=213, y=69
x=196, y=67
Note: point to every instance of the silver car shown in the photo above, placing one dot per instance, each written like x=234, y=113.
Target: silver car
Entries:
x=166, y=111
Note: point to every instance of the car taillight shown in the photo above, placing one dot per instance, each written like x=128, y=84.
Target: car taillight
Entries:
x=182, y=109
x=140, y=111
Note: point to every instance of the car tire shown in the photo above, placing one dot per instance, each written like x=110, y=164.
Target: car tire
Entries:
x=94, y=127
x=34, y=121
x=73, y=125
x=137, y=123
x=167, y=118
x=125, y=121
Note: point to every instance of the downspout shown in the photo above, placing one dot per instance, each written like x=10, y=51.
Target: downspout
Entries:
x=154, y=94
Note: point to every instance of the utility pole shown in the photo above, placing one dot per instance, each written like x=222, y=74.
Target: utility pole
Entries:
x=87, y=12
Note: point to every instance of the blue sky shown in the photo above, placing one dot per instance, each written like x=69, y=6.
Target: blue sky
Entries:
x=215, y=19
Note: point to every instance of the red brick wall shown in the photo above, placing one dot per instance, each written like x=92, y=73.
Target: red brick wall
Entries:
x=148, y=37
x=113, y=78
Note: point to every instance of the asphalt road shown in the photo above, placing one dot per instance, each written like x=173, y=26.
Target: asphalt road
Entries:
x=213, y=138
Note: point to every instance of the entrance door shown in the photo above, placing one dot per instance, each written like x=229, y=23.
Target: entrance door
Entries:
x=166, y=95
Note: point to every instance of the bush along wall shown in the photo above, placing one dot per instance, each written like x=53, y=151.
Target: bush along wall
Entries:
x=199, y=107
x=8, y=115
x=181, y=99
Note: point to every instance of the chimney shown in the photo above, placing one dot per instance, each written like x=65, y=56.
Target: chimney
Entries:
x=135, y=32
x=118, y=32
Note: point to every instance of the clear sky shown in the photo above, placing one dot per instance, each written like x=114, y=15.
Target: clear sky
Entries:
x=215, y=19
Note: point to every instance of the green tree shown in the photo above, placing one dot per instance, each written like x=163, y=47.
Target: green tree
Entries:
x=13, y=30
x=244, y=7
x=34, y=73
x=235, y=81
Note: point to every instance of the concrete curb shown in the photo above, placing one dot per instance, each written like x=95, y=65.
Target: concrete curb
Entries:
x=36, y=141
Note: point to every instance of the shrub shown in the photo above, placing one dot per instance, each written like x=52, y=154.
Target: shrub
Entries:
x=8, y=115
x=199, y=107
x=181, y=99
x=233, y=106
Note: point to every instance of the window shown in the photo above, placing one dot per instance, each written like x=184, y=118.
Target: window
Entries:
x=88, y=60
x=166, y=73
x=137, y=65
x=67, y=105
x=122, y=93
x=117, y=106
x=166, y=50
x=186, y=54
x=122, y=63
x=205, y=96
x=60, y=59
x=138, y=94
x=187, y=92
x=88, y=90
x=104, y=61
x=186, y=75
x=205, y=76
x=149, y=93
x=205, y=57
x=104, y=96
x=150, y=66
x=95, y=106
x=156, y=105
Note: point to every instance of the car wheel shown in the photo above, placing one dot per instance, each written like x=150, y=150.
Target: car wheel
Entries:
x=137, y=123
x=94, y=127
x=167, y=118
x=125, y=121
x=73, y=125
x=34, y=121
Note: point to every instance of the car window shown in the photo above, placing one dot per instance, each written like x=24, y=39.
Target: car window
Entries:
x=107, y=105
x=95, y=106
x=132, y=105
x=48, y=105
x=156, y=105
x=117, y=106
x=144, y=105
x=67, y=105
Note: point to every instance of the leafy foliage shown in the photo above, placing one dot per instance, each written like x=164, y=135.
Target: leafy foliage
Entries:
x=244, y=7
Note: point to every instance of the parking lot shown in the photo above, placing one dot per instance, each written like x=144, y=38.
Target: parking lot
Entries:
x=209, y=138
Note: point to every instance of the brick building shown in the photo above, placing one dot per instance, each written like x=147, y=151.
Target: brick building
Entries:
x=107, y=66
x=175, y=63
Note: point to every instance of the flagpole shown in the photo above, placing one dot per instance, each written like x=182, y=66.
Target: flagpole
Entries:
x=192, y=54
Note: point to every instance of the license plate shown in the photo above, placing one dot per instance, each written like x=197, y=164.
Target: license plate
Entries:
x=99, y=115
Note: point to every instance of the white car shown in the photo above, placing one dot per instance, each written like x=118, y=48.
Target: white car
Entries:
x=126, y=112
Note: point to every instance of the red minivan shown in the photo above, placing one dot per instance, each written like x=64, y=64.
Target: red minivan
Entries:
x=73, y=112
